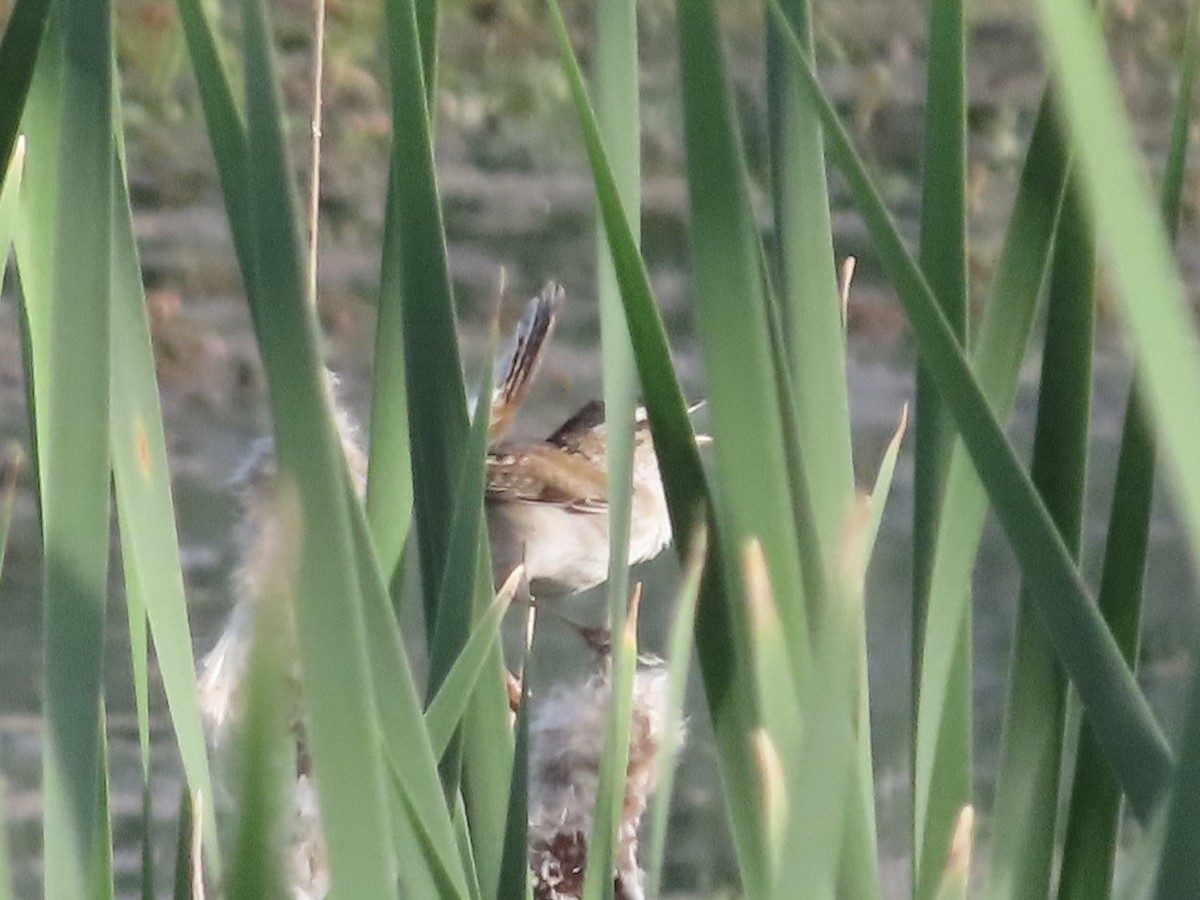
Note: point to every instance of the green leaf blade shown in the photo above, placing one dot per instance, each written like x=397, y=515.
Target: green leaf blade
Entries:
x=1116, y=708
x=73, y=452
x=1027, y=792
x=331, y=634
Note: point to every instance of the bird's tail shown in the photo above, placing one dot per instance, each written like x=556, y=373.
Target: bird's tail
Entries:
x=516, y=368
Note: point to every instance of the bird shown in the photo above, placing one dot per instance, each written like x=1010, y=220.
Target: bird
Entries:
x=547, y=501
x=547, y=505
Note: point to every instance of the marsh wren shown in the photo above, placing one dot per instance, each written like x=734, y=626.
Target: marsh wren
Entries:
x=547, y=505
x=547, y=501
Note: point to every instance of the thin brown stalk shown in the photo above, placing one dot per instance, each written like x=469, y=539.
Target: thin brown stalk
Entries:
x=314, y=196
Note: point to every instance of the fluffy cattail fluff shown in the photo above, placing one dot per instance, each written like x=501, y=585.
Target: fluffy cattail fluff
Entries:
x=567, y=737
x=265, y=545
x=307, y=862
x=262, y=547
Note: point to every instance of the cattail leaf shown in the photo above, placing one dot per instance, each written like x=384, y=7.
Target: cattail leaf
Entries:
x=226, y=129
x=149, y=544
x=1147, y=279
x=436, y=405
x=446, y=882
x=100, y=871
x=883, y=481
x=1179, y=870
x=1114, y=704
x=943, y=259
x=449, y=704
x=779, y=704
x=728, y=682
x=267, y=814
x=73, y=447
x=332, y=640
x=757, y=493
x=679, y=657
x=403, y=737
x=815, y=358
x=456, y=600
x=820, y=772
x=997, y=352
x=1094, y=812
x=1027, y=790
x=10, y=190
x=18, y=57
x=466, y=853
x=515, y=878
x=609, y=814
x=389, y=474
x=996, y=358
x=617, y=113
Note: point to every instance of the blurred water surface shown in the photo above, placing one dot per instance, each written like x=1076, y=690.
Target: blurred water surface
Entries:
x=516, y=195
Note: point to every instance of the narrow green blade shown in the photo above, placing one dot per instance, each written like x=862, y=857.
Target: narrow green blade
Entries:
x=402, y=734
x=266, y=761
x=100, y=870
x=617, y=112
x=341, y=724
x=756, y=497
x=1094, y=812
x=609, y=813
x=1115, y=707
x=996, y=361
x=679, y=657
x=18, y=57
x=389, y=474
x=515, y=880
x=719, y=620
x=33, y=237
x=781, y=738
x=466, y=854
x=149, y=544
x=436, y=407
x=444, y=881
x=456, y=603
x=1027, y=786
x=185, y=868
x=1179, y=871
x=427, y=31
x=1147, y=278
x=449, y=704
x=226, y=130
x=811, y=318
x=943, y=259
x=73, y=450
x=10, y=191
x=883, y=482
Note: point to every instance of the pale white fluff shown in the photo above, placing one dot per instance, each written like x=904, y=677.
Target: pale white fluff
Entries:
x=265, y=548
x=567, y=737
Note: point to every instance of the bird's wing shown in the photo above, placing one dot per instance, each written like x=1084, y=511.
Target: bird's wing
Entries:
x=542, y=473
